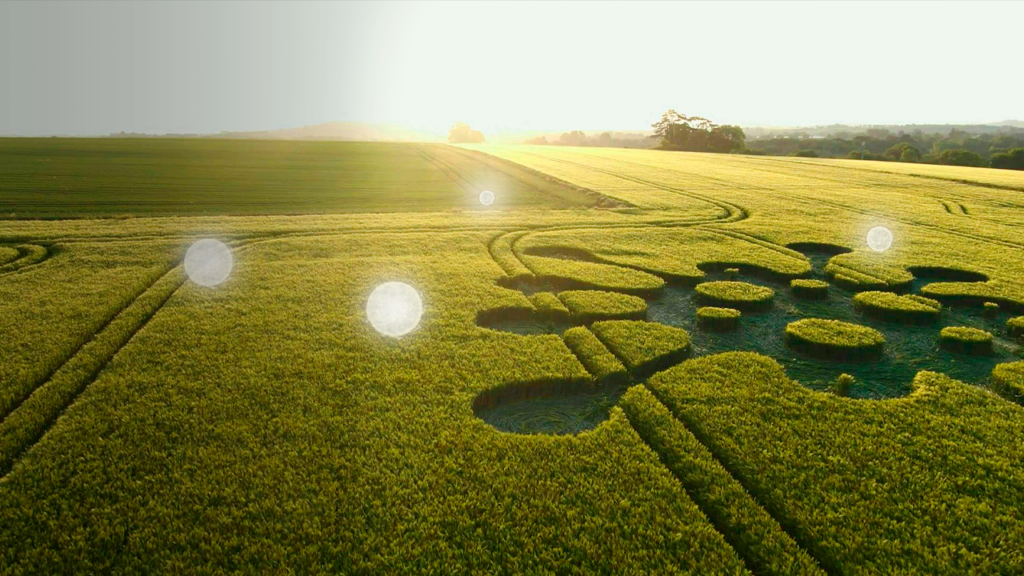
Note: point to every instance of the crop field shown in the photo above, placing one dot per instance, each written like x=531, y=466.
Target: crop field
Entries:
x=562, y=406
x=111, y=177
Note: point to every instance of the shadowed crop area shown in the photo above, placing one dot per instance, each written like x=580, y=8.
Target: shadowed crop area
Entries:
x=650, y=362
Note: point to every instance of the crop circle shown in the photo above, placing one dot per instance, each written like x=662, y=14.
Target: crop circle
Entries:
x=966, y=340
x=208, y=262
x=1015, y=326
x=909, y=308
x=739, y=295
x=718, y=319
x=834, y=339
x=880, y=238
x=394, y=309
x=487, y=197
x=809, y=289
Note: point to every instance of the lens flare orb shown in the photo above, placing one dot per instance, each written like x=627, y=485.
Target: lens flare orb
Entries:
x=394, y=309
x=487, y=197
x=880, y=238
x=209, y=262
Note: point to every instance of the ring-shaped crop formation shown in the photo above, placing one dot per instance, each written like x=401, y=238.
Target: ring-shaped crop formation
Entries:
x=908, y=309
x=716, y=319
x=966, y=340
x=809, y=289
x=738, y=295
x=834, y=339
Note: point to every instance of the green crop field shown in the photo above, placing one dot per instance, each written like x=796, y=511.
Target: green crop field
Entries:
x=561, y=408
x=111, y=177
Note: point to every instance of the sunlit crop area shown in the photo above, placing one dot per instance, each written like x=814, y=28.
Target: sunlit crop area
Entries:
x=572, y=401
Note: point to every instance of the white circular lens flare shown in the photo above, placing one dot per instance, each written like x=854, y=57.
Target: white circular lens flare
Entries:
x=487, y=197
x=208, y=262
x=880, y=238
x=394, y=309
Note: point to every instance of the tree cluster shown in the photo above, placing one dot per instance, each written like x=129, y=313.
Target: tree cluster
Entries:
x=462, y=134
x=677, y=131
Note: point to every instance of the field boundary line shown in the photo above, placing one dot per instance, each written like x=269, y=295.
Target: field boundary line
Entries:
x=500, y=164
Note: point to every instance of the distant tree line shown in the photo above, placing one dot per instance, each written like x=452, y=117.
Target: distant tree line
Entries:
x=1003, y=148
x=674, y=131
x=604, y=140
x=958, y=148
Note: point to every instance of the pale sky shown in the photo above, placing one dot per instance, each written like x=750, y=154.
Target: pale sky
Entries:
x=94, y=68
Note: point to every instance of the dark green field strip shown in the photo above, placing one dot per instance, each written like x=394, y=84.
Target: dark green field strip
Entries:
x=750, y=530
x=560, y=190
x=451, y=171
x=103, y=177
x=29, y=420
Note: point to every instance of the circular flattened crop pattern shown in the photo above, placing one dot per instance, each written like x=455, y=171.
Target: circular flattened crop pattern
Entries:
x=909, y=308
x=592, y=305
x=834, y=339
x=738, y=295
x=907, y=348
x=718, y=319
x=809, y=289
x=966, y=340
x=1016, y=326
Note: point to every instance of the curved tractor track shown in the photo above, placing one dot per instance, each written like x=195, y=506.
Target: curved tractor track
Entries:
x=29, y=256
